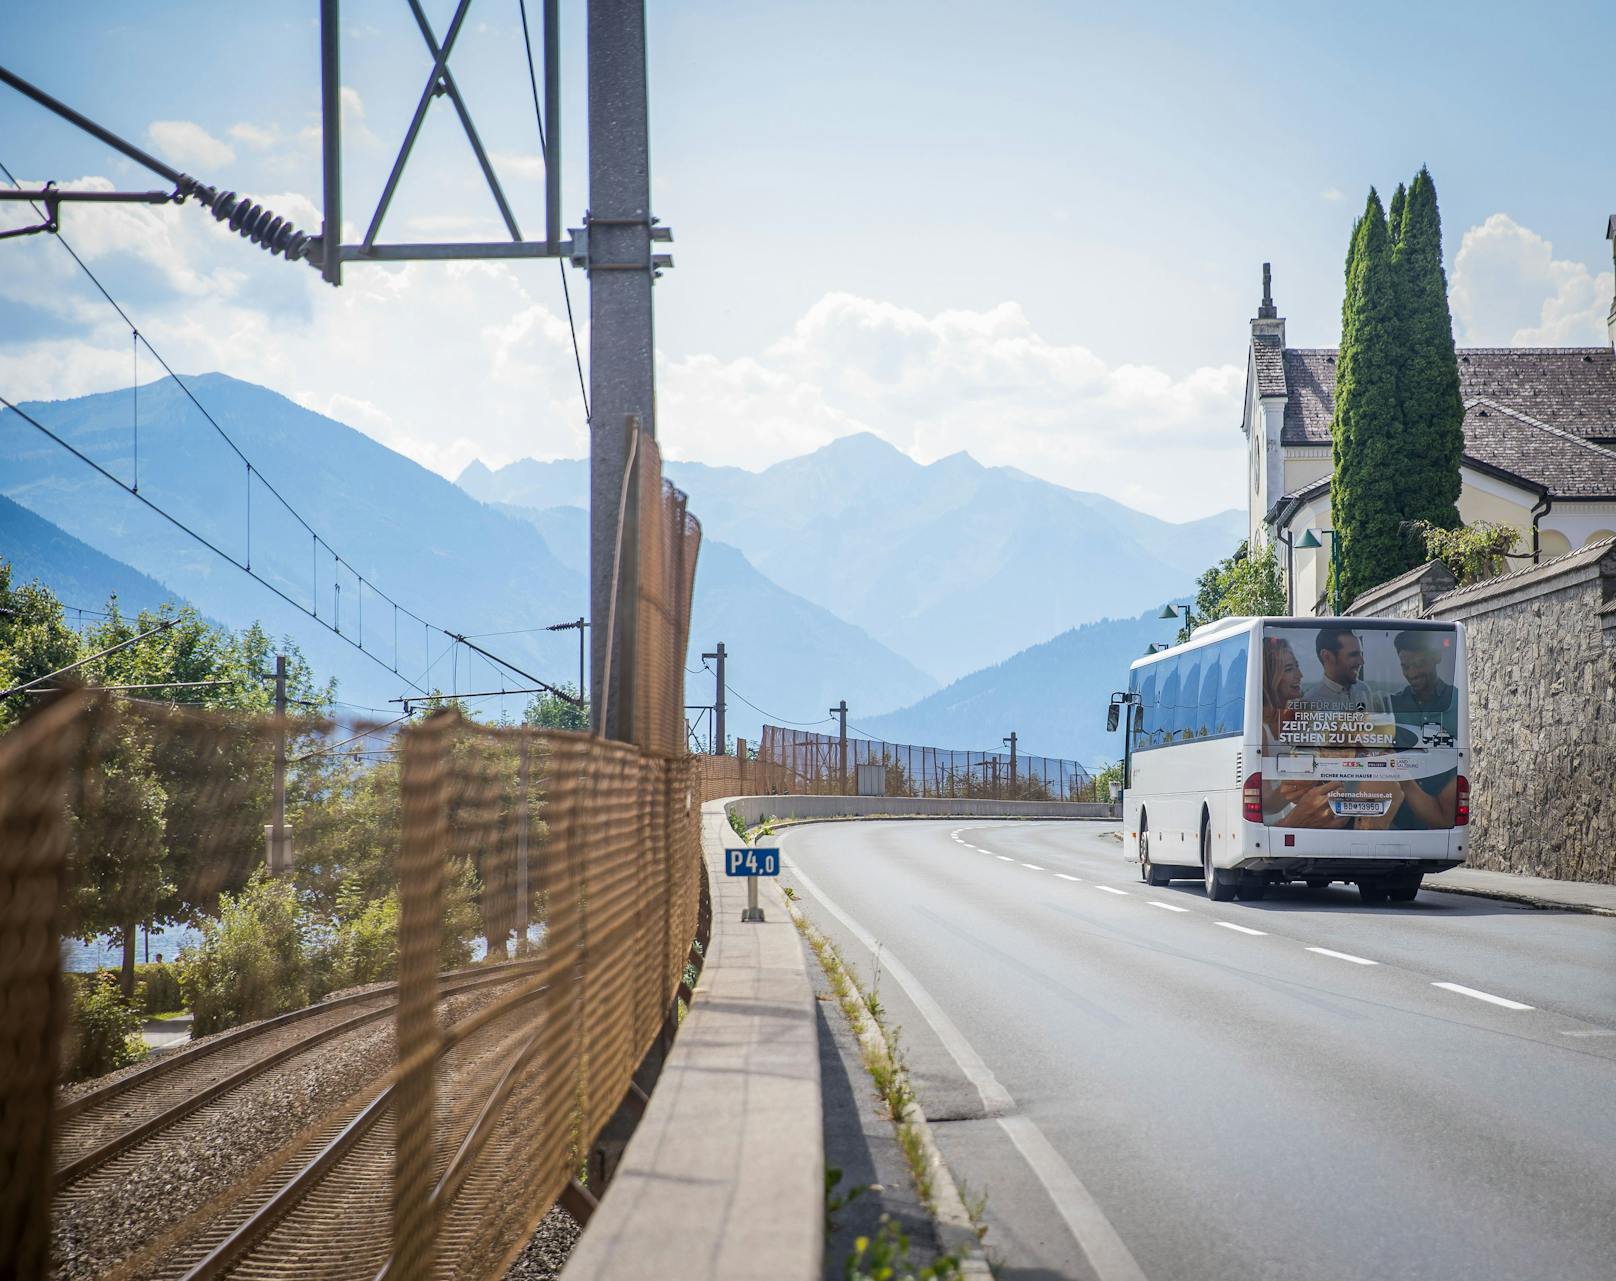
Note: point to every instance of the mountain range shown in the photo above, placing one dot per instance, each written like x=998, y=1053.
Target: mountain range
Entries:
x=952, y=565
x=852, y=572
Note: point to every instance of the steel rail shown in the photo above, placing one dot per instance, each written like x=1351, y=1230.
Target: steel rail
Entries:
x=180, y=1059
x=231, y=1251
x=132, y=1136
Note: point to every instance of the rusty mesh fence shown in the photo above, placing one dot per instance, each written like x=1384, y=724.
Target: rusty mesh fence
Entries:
x=798, y=762
x=523, y=902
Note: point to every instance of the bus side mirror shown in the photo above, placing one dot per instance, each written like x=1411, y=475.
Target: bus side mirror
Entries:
x=1111, y=718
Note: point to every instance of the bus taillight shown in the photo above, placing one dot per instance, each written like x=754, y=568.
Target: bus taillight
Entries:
x=1462, y=816
x=1251, y=799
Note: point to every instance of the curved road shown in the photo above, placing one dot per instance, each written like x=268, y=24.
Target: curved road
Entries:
x=1148, y=1084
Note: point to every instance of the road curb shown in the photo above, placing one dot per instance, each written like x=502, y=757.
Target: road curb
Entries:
x=1517, y=896
x=955, y=1230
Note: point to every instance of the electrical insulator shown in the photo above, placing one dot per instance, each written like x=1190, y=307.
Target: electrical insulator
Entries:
x=265, y=228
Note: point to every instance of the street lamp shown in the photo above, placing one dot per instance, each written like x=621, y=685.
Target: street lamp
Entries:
x=1289, y=539
x=1308, y=542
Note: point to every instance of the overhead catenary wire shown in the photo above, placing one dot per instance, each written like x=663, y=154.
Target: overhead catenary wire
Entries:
x=566, y=292
x=312, y=611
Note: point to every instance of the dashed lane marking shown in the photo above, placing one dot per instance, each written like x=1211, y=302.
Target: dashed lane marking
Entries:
x=1109, y=890
x=1462, y=990
x=1004, y=858
x=1343, y=956
x=1034, y=866
x=1171, y=907
x=1065, y=877
x=1244, y=929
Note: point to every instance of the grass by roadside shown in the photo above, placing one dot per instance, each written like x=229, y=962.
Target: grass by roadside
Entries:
x=886, y=1254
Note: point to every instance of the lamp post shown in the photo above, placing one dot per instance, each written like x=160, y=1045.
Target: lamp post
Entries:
x=1175, y=612
x=1310, y=541
x=1289, y=539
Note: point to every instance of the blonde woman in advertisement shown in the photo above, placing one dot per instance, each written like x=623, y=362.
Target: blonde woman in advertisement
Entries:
x=1297, y=802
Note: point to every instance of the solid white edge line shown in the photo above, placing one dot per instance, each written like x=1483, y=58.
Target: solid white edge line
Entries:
x=1034, y=866
x=1109, y=889
x=1171, y=907
x=1244, y=929
x=1483, y=996
x=1343, y=956
x=1065, y=877
x=1108, y=1257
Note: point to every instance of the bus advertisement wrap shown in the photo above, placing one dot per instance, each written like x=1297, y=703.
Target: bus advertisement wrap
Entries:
x=1360, y=726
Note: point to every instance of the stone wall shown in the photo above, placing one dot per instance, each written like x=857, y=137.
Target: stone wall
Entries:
x=1542, y=663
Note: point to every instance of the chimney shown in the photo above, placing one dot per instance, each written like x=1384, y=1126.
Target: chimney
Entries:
x=1610, y=321
x=1268, y=320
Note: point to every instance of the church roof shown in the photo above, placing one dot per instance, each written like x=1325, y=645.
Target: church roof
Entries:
x=1515, y=443
x=1269, y=358
x=1572, y=389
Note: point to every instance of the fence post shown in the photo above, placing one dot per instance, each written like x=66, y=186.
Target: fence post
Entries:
x=424, y=798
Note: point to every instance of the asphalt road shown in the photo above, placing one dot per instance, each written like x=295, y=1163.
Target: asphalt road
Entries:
x=1144, y=1090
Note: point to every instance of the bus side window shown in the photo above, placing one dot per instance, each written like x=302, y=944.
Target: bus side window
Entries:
x=1148, y=711
x=1167, y=722
x=1232, y=707
x=1189, y=695
x=1211, y=690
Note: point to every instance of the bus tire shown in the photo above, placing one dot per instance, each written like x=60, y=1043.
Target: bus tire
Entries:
x=1403, y=891
x=1218, y=889
x=1149, y=873
x=1372, y=891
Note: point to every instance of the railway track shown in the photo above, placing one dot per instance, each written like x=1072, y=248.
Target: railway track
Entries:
x=102, y=1124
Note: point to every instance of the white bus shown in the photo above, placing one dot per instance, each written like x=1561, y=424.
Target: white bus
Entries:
x=1269, y=750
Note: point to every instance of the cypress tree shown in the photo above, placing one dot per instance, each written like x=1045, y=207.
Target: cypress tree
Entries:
x=1394, y=216
x=1367, y=430
x=1431, y=406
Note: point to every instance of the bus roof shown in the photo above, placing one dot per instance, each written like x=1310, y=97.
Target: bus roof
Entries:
x=1221, y=627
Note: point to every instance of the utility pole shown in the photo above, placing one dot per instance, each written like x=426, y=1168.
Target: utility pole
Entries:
x=521, y=841
x=617, y=253
x=840, y=710
x=1012, y=742
x=720, y=747
x=280, y=848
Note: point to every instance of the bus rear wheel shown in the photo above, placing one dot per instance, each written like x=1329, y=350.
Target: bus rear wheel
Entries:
x=1403, y=891
x=1217, y=889
x=1372, y=891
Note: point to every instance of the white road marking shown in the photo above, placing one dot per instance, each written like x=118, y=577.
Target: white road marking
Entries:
x=1034, y=866
x=1108, y=1257
x=1065, y=877
x=1244, y=929
x=1003, y=858
x=1589, y=1032
x=1483, y=996
x=1343, y=956
x=1171, y=907
x=1109, y=890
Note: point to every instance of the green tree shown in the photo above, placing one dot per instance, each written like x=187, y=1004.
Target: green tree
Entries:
x=254, y=959
x=1367, y=427
x=1431, y=407
x=551, y=711
x=1243, y=585
x=1394, y=215
x=1474, y=553
x=34, y=641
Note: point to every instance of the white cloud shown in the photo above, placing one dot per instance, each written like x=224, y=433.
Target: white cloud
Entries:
x=524, y=164
x=252, y=136
x=184, y=142
x=1509, y=290
x=1331, y=193
x=450, y=362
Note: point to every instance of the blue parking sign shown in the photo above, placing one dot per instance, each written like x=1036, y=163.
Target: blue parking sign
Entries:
x=751, y=862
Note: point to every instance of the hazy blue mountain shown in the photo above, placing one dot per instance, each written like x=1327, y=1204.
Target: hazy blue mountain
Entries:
x=75, y=572
x=785, y=653
x=1053, y=695
x=437, y=551
x=952, y=564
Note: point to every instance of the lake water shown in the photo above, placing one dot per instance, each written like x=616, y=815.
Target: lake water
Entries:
x=104, y=954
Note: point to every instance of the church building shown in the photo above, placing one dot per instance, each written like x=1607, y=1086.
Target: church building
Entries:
x=1540, y=446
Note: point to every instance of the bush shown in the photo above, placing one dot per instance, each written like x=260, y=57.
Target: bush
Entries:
x=253, y=960
x=157, y=988
x=104, y=1031
x=1474, y=552
x=363, y=944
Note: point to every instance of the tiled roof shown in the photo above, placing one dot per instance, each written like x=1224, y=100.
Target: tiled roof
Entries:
x=1564, y=464
x=1572, y=388
x=1268, y=356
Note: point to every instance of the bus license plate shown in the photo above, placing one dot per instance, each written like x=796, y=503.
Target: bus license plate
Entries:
x=1372, y=809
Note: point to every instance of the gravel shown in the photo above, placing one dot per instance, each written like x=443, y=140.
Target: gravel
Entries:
x=548, y=1250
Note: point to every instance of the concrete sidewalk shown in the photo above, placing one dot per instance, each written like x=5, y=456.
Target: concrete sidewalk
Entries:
x=1538, y=891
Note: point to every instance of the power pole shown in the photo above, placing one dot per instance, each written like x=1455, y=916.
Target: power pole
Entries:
x=521, y=841
x=617, y=255
x=719, y=748
x=1012, y=742
x=840, y=710
x=280, y=848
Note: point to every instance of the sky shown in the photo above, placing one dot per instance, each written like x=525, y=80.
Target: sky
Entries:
x=1030, y=231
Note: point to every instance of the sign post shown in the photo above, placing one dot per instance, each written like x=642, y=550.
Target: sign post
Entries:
x=751, y=863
